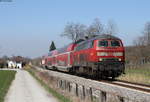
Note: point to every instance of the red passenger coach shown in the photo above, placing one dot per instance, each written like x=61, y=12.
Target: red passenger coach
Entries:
x=100, y=56
x=50, y=60
x=64, y=61
x=60, y=59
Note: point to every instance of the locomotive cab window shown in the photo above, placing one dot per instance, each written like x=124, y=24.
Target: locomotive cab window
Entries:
x=115, y=43
x=103, y=43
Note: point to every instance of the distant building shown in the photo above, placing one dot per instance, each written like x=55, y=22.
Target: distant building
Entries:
x=19, y=65
x=13, y=64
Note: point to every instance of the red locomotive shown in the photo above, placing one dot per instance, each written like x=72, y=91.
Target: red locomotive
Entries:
x=101, y=56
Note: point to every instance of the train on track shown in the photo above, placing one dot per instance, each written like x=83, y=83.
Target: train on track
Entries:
x=99, y=56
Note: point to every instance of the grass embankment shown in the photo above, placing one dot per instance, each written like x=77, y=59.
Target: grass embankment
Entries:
x=6, y=77
x=59, y=96
x=138, y=75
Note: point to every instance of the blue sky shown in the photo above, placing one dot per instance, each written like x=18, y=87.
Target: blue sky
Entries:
x=28, y=26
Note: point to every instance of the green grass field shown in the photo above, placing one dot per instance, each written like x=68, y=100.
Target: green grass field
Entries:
x=138, y=75
x=6, y=77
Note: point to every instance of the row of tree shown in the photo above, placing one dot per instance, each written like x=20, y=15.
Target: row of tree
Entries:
x=139, y=53
x=76, y=31
x=144, y=40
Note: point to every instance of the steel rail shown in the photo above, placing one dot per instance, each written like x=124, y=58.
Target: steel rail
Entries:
x=130, y=85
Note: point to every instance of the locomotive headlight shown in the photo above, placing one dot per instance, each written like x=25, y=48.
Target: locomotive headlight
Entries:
x=119, y=59
x=100, y=59
x=102, y=54
x=118, y=53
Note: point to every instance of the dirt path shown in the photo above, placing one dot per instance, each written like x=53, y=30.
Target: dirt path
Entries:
x=26, y=89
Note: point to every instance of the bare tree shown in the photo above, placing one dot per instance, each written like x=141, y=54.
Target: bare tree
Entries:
x=147, y=33
x=74, y=31
x=144, y=40
x=111, y=27
x=140, y=41
x=96, y=28
x=142, y=48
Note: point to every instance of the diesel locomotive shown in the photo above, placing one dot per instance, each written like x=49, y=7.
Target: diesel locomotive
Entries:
x=100, y=56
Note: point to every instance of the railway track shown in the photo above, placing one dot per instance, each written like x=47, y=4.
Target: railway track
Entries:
x=130, y=85
x=120, y=91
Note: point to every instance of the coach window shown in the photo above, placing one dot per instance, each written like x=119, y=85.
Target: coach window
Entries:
x=78, y=48
x=91, y=44
x=85, y=45
x=82, y=46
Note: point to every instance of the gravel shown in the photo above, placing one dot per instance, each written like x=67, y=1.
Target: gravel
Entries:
x=26, y=89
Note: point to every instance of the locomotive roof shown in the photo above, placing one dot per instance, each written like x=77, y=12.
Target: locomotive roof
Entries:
x=104, y=36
